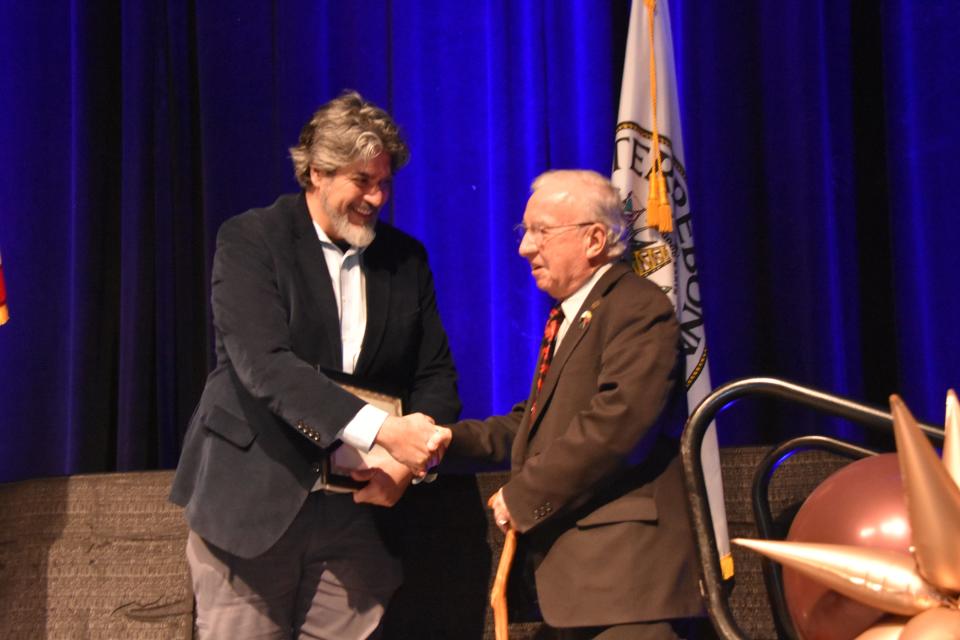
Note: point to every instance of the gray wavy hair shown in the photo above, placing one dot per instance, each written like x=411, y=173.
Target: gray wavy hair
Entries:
x=344, y=130
x=597, y=195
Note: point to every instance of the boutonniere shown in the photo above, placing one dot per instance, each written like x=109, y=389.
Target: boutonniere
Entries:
x=587, y=315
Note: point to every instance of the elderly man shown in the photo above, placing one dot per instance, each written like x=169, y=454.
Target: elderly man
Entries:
x=311, y=287
x=595, y=491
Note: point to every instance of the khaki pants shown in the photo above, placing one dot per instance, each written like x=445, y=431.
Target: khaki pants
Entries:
x=329, y=577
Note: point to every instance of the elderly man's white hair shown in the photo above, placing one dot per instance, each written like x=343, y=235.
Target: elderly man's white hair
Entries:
x=599, y=198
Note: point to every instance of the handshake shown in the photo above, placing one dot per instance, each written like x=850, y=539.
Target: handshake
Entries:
x=414, y=441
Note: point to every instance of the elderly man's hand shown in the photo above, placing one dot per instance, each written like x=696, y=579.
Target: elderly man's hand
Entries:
x=414, y=440
x=501, y=514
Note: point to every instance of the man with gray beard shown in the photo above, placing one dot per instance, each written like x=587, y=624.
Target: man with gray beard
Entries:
x=307, y=289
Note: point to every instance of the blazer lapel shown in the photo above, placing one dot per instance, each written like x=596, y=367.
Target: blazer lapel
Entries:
x=313, y=268
x=578, y=328
x=378, y=307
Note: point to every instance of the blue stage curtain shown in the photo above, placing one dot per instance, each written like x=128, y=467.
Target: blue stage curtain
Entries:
x=819, y=141
x=923, y=133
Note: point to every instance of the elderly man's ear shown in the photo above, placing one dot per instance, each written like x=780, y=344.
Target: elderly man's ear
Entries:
x=596, y=240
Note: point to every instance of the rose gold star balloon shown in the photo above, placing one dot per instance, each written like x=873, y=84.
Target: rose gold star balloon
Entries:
x=922, y=584
x=877, y=577
x=951, y=441
x=933, y=501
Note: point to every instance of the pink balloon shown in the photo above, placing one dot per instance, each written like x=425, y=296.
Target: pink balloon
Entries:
x=861, y=505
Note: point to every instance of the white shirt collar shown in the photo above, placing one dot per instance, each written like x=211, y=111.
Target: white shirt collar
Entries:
x=572, y=303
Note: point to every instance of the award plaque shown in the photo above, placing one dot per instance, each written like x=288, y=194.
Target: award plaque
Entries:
x=335, y=474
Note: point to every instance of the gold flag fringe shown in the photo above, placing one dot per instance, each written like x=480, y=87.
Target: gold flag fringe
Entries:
x=659, y=214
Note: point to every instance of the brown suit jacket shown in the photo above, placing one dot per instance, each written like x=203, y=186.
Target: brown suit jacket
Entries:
x=596, y=490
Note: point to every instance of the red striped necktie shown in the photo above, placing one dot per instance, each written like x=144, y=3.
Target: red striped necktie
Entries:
x=546, y=352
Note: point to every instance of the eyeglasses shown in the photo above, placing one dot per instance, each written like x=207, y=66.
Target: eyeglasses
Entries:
x=540, y=233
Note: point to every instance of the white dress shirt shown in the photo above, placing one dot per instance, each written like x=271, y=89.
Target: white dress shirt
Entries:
x=349, y=289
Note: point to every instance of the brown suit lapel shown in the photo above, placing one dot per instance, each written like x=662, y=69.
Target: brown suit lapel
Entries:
x=578, y=329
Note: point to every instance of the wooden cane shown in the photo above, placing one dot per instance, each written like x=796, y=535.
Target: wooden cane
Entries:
x=498, y=594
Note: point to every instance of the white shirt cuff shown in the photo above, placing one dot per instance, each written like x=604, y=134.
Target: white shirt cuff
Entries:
x=363, y=429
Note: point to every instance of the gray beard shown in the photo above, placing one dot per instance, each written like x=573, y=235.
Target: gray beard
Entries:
x=356, y=235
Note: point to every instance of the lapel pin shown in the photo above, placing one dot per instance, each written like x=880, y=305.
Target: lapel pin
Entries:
x=587, y=315
x=585, y=319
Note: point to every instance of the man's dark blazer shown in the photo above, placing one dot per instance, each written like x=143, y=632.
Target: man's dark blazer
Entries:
x=596, y=490
x=253, y=448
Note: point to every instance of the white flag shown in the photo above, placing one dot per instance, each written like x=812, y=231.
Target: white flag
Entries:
x=665, y=256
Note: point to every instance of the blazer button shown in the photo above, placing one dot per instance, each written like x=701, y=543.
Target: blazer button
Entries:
x=316, y=467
